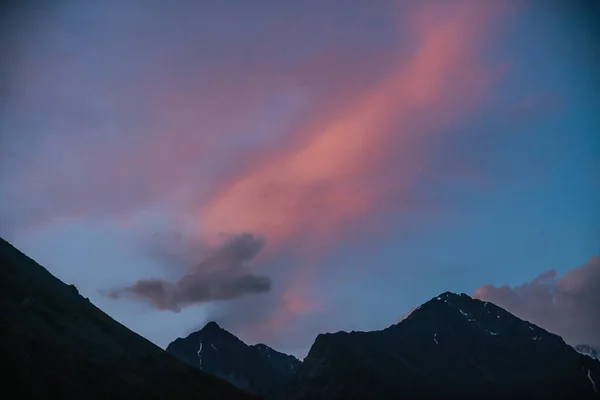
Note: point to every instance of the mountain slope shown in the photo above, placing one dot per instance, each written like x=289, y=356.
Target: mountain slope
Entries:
x=588, y=351
x=451, y=346
x=258, y=369
x=58, y=344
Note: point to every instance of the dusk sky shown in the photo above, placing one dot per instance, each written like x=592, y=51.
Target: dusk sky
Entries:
x=294, y=168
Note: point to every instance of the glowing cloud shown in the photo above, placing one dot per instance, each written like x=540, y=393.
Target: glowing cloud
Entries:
x=352, y=164
x=325, y=175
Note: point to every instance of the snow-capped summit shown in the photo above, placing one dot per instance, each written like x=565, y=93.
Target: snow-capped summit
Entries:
x=588, y=351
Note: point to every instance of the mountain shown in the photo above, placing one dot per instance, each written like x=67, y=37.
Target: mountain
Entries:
x=453, y=346
x=588, y=351
x=257, y=369
x=55, y=343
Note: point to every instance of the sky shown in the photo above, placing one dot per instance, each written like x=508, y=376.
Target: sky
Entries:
x=293, y=168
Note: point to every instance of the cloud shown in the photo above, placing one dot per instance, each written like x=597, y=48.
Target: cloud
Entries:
x=158, y=101
x=341, y=167
x=568, y=305
x=153, y=108
x=361, y=163
x=220, y=276
x=172, y=249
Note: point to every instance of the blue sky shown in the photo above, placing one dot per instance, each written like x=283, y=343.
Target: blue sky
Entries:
x=314, y=168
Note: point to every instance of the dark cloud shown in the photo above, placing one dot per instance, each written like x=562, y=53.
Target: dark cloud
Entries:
x=568, y=306
x=236, y=250
x=220, y=276
x=171, y=249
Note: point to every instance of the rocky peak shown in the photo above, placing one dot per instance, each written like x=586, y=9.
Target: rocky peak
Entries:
x=258, y=369
x=450, y=346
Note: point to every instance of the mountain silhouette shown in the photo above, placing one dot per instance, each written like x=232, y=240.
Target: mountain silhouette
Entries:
x=56, y=344
x=452, y=346
x=257, y=368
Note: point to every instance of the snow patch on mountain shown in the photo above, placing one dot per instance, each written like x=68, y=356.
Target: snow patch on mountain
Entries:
x=200, y=354
x=589, y=375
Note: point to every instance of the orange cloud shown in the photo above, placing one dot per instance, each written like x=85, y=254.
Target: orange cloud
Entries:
x=330, y=174
x=319, y=180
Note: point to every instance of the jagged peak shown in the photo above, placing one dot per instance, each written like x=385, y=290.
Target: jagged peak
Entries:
x=450, y=295
x=445, y=298
x=214, y=330
x=460, y=302
x=211, y=325
x=263, y=346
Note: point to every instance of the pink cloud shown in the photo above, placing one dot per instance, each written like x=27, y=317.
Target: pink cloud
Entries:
x=568, y=305
x=360, y=147
x=349, y=164
x=324, y=175
x=136, y=120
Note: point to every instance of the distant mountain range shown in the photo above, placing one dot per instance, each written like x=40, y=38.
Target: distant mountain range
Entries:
x=58, y=344
x=452, y=346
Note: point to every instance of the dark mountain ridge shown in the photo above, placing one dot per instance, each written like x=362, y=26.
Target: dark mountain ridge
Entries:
x=255, y=368
x=452, y=346
x=55, y=343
